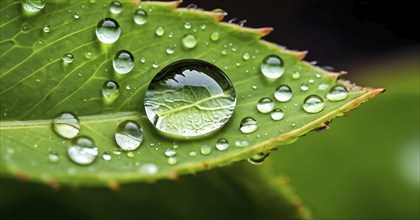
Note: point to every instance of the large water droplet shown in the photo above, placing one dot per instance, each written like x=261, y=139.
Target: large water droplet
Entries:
x=110, y=91
x=205, y=149
x=160, y=31
x=108, y=30
x=129, y=135
x=83, y=150
x=272, y=67
x=189, y=99
x=259, y=158
x=123, y=62
x=277, y=114
x=283, y=93
x=189, y=41
x=248, y=125
x=215, y=36
x=140, y=16
x=67, y=125
x=33, y=5
x=337, y=93
x=115, y=7
x=265, y=105
x=313, y=104
x=68, y=58
x=222, y=144
x=53, y=157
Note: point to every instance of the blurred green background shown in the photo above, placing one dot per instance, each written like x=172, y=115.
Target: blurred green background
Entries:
x=365, y=167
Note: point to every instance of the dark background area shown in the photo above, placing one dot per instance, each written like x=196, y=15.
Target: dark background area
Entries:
x=332, y=31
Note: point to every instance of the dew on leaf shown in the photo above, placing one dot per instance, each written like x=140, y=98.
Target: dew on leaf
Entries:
x=108, y=30
x=46, y=28
x=189, y=99
x=160, y=31
x=110, y=91
x=272, y=67
x=192, y=153
x=246, y=56
x=337, y=93
x=254, y=86
x=205, y=149
x=88, y=55
x=123, y=62
x=170, y=152
x=148, y=169
x=129, y=135
x=140, y=16
x=283, y=93
x=33, y=6
x=53, y=157
x=68, y=58
x=172, y=160
x=189, y=41
x=76, y=15
x=241, y=143
x=130, y=154
x=115, y=7
x=66, y=125
x=259, y=158
x=215, y=36
x=265, y=105
x=222, y=144
x=313, y=104
x=106, y=156
x=304, y=87
x=277, y=114
x=170, y=49
x=296, y=75
x=83, y=150
x=323, y=86
x=248, y=125
x=187, y=25
x=25, y=27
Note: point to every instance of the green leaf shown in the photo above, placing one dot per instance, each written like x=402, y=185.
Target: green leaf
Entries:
x=36, y=86
x=240, y=191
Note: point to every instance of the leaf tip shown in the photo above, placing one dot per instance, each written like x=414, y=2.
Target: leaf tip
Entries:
x=264, y=31
x=218, y=16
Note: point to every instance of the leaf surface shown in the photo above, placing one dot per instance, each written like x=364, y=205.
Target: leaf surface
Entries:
x=36, y=86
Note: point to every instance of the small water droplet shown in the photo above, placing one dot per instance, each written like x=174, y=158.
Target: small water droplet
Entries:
x=277, y=114
x=205, y=149
x=313, y=104
x=46, y=28
x=143, y=60
x=337, y=93
x=187, y=25
x=140, y=16
x=296, y=75
x=241, y=143
x=117, y=151
x=160, y=31
x=66, y=125
x=170, y=50
x=108, y=30
x=53, y=157
x=68, y=58
x=175, y=145
x=224, y=52
x=123, y=62
x=106, y=156
x=170, y=152
x=110, y=91
x=83, y=150
x=172, y=160
x=115, y=7
x=171, y=34
x=311, y=81
x=192, y=153
x=155, y=64
x=222, y=144
x=203, y=27
x=25, y=27
x=130, y=154
x=129, y=135
x=148, y=169
x=323, y=87
x=254, y=86
x=304, y=87
x=265, y=105
x=33, y=6
x=293, y=124
x=283, y=93
x=246, y=56
x=76, y=15
x=215, y=36
x=189, y=41
x=259, y=158
x=318, y=75
x=248, y=125
x=88, y=55
x=272, y=67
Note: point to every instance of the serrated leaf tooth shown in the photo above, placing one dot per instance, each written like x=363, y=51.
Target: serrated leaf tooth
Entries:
x=173, y=4
x=217, y=15
x=264, y=31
